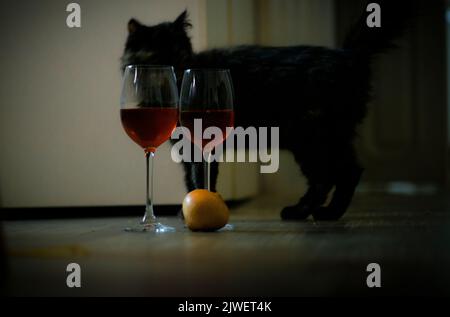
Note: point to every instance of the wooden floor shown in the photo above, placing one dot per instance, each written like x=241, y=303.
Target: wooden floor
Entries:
x=409, y=236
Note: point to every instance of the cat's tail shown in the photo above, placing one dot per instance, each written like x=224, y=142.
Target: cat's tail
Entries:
x=369, y=41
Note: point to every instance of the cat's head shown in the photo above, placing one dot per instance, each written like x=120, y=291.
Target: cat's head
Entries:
x=163, y=44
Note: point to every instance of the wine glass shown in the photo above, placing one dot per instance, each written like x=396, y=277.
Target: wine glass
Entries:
x=207, y=94
x=149, y=114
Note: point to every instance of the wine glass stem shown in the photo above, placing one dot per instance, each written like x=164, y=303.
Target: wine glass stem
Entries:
x=207, y=169
x=149, y=216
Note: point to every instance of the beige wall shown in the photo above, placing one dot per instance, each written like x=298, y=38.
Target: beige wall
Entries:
x=270, y=22
x=60, y=135
x=296, y=22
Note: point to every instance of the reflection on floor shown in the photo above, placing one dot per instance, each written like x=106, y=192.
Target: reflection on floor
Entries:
x=408, y=236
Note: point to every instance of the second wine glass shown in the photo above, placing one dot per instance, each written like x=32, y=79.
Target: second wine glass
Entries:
x=207, y=94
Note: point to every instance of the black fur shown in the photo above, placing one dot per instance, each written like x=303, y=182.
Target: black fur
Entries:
x=316, y=95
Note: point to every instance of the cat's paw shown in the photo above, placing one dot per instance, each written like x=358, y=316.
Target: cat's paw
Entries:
x=327, y=214
x=296, y=212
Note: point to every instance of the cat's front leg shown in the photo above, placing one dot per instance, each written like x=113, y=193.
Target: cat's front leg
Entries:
x=194, y=175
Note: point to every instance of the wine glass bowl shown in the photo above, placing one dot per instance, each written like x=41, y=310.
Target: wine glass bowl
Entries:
x=137, y=121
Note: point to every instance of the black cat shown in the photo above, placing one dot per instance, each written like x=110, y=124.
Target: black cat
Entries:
x=316, y=95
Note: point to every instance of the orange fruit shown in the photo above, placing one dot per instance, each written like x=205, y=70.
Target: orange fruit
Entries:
x=205, y=211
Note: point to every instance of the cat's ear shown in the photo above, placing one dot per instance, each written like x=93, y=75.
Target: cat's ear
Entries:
x=182, y=21
x=133, y=25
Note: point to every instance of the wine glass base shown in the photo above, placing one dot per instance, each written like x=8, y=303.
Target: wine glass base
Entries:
x=227, y=227
x=155, y=227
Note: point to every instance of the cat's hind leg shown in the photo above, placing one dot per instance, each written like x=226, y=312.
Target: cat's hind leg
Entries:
x=314, y=197
x=316, y=167
x=348, y=174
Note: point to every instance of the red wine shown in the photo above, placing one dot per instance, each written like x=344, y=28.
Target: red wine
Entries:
x=149, y=127
x=221, y=119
